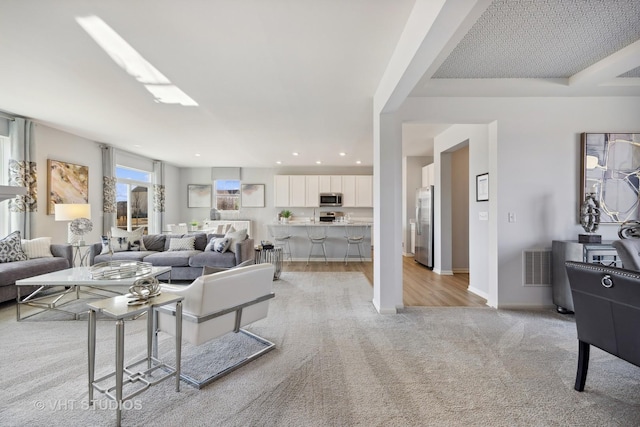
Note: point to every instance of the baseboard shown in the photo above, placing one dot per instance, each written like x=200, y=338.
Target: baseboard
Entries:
x=443, y=272
x=408, y=254
x=461, y=270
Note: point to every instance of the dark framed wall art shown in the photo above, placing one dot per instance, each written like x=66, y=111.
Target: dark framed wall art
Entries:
x=482, y=187
x=66, y=183
x=610, y=169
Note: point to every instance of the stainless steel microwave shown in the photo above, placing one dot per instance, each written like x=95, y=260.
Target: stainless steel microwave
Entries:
x=330, y=199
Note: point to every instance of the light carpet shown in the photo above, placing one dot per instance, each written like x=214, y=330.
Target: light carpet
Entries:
x=337, y=363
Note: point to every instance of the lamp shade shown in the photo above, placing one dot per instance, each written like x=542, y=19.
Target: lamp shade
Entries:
x=71, y=211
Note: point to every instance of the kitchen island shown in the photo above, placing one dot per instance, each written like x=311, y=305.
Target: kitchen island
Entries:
x=335, y=244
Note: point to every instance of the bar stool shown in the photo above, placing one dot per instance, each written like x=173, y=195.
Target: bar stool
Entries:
x=317, y=236
x=281, y=236
x=355, y=236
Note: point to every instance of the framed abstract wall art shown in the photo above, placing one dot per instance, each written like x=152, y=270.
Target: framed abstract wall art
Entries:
x=252, y=195
x=66, y=183
x=199, y=196
x=610, y=169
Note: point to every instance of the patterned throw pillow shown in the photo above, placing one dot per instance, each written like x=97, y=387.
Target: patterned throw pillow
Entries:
x=220, y=244
x=182, y=244
x=11, y=248
x=135, y=237
x=116, y=244
x=37, y=248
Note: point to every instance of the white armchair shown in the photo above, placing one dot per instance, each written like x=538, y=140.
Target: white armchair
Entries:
x=217, y=304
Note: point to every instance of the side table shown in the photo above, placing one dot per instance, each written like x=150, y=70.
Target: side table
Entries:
x=273, y=256
x=118, y=308
x=80, y=255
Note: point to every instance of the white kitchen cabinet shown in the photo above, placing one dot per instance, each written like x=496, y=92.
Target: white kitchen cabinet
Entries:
x=336, y=183
x=312, y=194
x=297, y=190
x=324, y=183
x=364, y=191
x=348, y=191
x=304, y=190
x=330, y=183
x=281, y=188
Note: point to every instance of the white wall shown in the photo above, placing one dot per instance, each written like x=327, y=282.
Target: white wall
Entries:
x=58, y=145
x=460, y=210
x=534, y=168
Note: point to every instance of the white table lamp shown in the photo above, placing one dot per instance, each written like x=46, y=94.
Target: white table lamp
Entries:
x=79, y=216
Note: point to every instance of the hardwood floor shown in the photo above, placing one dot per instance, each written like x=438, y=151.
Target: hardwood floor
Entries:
x=421, y=286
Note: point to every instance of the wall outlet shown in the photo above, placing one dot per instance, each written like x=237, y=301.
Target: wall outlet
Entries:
x=511, y=216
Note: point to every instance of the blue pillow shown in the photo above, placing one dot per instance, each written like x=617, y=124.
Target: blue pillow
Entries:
x=220, y=244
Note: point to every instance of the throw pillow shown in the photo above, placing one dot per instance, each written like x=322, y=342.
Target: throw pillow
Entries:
x=116, y=244
x=182, y=244
x=220, y=244
x=154, y=242
x=37, y=248
x=235, y=237
x=135, y=237
x=11, y=248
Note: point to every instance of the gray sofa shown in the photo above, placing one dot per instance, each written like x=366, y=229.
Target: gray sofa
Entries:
x=185, y=265
x=16, y=270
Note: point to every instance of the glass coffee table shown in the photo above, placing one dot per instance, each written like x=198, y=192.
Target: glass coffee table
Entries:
x=73, y=282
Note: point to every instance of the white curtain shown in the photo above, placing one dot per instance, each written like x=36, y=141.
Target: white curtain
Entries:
x=109, y=205
x=22, y=172
x=158, y=198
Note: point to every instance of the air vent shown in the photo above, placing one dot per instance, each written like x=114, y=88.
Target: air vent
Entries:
x=536, y=267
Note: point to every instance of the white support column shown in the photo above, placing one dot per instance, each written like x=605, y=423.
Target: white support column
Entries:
x=387, y=214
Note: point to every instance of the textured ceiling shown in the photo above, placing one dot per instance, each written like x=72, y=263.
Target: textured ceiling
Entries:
x=543, y=38
x=633, y=73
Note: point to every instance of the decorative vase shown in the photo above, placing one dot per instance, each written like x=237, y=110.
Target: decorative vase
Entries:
x=590, y=219
x=284, y=220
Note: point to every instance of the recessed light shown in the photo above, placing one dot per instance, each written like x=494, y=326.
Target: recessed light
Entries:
x=137, y=145
x=278, y=162
x=358, y=162
x=295, y=153
x=318, y=162
x=197, y=154
x=343, y=154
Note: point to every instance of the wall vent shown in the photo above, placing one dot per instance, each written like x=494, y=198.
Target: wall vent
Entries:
x=536, y=267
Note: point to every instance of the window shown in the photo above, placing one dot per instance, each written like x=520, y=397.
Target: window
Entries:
x=227, y=194
x=132, y=198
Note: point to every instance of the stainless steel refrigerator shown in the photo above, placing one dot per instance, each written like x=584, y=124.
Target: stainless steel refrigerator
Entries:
x=424, y=226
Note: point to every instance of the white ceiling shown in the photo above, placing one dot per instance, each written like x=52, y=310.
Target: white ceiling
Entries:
x=276, y=76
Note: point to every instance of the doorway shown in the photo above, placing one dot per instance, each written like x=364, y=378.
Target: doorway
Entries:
x=447, y=287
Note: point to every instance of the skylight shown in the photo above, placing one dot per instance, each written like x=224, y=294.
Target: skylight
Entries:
x=133, y=63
